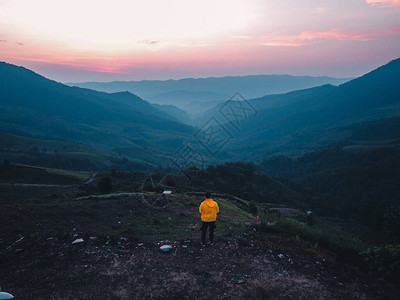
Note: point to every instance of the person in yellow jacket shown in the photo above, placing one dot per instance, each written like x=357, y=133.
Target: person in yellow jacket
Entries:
x=208, y=209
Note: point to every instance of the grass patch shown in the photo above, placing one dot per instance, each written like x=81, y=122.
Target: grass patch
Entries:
x=16, y=173
x=119, y=215
x=384, y=261
x=346, y=246
x=79, y=176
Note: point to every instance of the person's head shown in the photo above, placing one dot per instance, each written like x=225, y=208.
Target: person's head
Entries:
x=208, y=195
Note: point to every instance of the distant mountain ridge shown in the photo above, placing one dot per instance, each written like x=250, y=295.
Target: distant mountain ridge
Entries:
x=179, y=114
x=181, y=91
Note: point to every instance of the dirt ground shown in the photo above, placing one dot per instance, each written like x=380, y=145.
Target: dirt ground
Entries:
x=233, y=268
x=38, y=259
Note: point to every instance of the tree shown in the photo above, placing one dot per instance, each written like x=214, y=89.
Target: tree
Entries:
x=253, y=208
x=170, y=181
x=6, y=163
x=391, y=222
x=105, y=186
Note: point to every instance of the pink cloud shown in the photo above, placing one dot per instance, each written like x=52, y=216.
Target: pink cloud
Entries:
x=85, y=64
x=306, y=36
x=385, y=3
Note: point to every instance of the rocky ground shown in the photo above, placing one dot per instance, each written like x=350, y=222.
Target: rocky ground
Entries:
x=233, y=268
x=55, y=244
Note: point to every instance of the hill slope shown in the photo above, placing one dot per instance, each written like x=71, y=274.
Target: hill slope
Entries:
x=96, y=245
x=31, y=105
x=301, y=121
x=360, y=175
x=67, y=156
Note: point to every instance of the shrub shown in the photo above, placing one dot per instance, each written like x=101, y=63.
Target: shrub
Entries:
x=391, y=223
x=170, y=181
x=105, y=186
x=326, y=236
x=311, y=220
x=6, y=163
x=384, y=260
x=253, y=208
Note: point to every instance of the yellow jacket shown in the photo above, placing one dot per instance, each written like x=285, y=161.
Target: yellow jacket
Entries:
x=209, y=209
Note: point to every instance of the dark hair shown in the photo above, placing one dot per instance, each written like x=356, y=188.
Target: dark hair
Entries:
x=208, y=195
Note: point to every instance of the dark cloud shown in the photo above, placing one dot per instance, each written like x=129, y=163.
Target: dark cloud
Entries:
x=6, y=41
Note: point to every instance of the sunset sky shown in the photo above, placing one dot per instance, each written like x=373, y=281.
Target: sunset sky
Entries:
x=97, y=40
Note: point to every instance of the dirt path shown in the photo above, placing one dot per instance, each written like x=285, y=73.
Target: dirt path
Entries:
x=91, y=178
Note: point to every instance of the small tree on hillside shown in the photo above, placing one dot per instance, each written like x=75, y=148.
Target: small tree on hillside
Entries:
x=170, y=181
x=6, y=163
x=253, y=208
x=391, y=222
x=105, y=186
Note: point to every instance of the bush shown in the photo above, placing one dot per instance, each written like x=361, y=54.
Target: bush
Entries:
x=253, y=208
x=105, y=186
x=384, y=261
x=391, y=223
x=326, y=236
x=311, y=220
x=170, y=181
x=6, y=163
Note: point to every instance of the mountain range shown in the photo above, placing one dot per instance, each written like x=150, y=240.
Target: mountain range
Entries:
x=128, y=126
x=196, y=95
x=305, y=120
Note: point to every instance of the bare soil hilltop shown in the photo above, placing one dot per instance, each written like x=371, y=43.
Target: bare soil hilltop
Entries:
x=57, y=242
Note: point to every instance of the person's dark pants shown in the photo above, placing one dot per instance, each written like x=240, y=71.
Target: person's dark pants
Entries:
x=211, y=226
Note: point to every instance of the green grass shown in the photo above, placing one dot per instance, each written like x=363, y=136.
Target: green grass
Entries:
x=79, y=176
x=231, y=218
x=63, y=155
x=316, y=231
x=118, y=215
x=10, y=140
x=17, y=173
x=22, y=142
x=108, y=196
x=182, y=219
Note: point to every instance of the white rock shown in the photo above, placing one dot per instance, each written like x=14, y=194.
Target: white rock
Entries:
x=166, y=248
x=78, y=241
x=5, y=296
